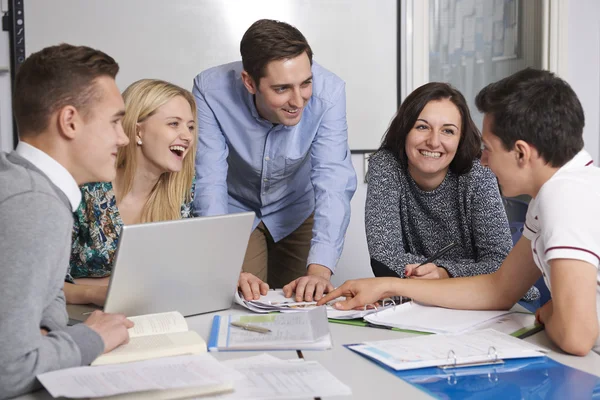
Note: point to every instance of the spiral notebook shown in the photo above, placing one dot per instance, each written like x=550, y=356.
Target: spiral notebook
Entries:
x=447, y=350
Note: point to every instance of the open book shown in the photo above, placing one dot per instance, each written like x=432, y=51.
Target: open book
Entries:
x=155, y=335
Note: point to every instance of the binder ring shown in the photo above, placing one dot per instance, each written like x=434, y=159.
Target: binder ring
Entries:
x=390, y=301
x=492, y=377
x=451, y=356
x=493, y=354
x=366, y=307
x=452, y=379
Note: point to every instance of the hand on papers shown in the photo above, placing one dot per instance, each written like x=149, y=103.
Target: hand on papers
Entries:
x=112, y=328
x=251, y=286
x=360, y=292
x=544, y=312
x=427, y=271
x=312, y=285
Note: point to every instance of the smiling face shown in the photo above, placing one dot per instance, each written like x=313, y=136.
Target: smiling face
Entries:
x=166, y=136
x=432, y=143
x=283, y=91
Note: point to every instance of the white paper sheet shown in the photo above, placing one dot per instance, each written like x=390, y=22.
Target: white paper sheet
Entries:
x=267, y=377
x=163, y=373
x=435, y=350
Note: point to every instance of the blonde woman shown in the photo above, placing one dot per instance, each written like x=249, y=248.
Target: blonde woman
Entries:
x=154, y=182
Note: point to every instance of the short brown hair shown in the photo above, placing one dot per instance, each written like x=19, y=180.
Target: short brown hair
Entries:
x=538, y=107
x=469, y=147
x=267, y=40
x=55, y=77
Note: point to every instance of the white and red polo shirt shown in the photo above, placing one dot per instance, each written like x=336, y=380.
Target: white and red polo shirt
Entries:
x=563, y=221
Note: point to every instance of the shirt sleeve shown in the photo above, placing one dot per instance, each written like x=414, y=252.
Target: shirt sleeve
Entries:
x=334, y=182
x=27, y=275
x=569, y=216
x=382, y=216
x=211, y=159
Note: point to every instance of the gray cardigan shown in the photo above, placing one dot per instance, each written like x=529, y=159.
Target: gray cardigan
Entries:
x=405, y=224
x=35, y=243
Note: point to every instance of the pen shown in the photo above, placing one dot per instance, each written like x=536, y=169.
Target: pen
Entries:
x=440, y=253
x=249, y=327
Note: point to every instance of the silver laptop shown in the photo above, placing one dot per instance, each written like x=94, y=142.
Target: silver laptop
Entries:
x=189, y=265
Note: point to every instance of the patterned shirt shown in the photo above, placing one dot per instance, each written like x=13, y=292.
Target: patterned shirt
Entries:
x=97, y=229
x=406, y=224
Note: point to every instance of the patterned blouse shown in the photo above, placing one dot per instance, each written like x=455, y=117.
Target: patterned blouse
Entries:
x=97, y=229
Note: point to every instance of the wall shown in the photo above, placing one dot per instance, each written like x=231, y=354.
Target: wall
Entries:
x=584, y=66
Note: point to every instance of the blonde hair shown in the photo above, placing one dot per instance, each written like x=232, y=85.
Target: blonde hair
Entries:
x=142, y=99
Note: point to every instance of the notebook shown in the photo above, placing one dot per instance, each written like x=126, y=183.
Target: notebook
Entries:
x=288, y=331
x=448, y=350
x=153, y=336
x=417, y=317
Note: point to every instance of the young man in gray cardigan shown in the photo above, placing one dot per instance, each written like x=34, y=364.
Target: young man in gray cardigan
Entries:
x=68, y=110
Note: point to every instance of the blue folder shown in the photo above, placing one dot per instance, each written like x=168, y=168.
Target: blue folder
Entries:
x=528, y=379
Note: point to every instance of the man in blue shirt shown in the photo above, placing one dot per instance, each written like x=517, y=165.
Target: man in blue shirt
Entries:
x=273, y=139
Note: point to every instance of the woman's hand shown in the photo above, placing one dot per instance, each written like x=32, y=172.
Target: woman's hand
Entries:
x=361, y=292
x=426, y=271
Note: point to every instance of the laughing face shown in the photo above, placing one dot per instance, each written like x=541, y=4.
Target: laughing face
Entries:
x=166, y=136
x=284, y=90
x=432, y=142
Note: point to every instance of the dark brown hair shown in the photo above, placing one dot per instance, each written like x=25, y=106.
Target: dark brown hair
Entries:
x=469, y=147
x=55, y=77
x=267, y=40
x=539, y=108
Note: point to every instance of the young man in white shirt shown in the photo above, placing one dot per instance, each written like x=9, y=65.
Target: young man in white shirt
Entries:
x=68, y=110
x=533, y=138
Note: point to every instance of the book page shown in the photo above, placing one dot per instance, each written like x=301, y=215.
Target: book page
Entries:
x=153, y=346
x=200, y=371
x=154, y=324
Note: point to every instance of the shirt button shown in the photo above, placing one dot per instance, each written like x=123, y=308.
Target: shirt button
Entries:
x=267, y=158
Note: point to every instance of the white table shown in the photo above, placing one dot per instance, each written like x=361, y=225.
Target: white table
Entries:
x=366, y=379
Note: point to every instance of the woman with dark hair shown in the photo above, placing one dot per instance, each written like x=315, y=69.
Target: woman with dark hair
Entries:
x=427, y=189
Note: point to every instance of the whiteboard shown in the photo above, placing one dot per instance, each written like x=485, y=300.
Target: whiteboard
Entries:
x=175, y=40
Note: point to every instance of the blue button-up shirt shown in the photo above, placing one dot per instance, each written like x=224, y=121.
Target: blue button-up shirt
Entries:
x=282, y=173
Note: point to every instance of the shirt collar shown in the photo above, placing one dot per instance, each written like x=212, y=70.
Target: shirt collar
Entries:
x=57, y=174
x=581, y=159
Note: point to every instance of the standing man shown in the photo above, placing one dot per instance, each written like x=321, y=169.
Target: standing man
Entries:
x=68, y=110
x=273, y=139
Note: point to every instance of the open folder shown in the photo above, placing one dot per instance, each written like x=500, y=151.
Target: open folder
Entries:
x=479, y=365
x=285, y=331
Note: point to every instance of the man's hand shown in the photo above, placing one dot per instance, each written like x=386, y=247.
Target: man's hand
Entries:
x=427, y=271
x=543, y=313
x=312, y=285
x=112, y=328
x=251, y=286
x=360, y=292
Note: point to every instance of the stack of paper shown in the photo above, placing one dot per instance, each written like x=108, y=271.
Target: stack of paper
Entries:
x=275, y=301
x=266, y=377
x=485, y=346
x=164, y=378
x=418, y=317
x=286, y=331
